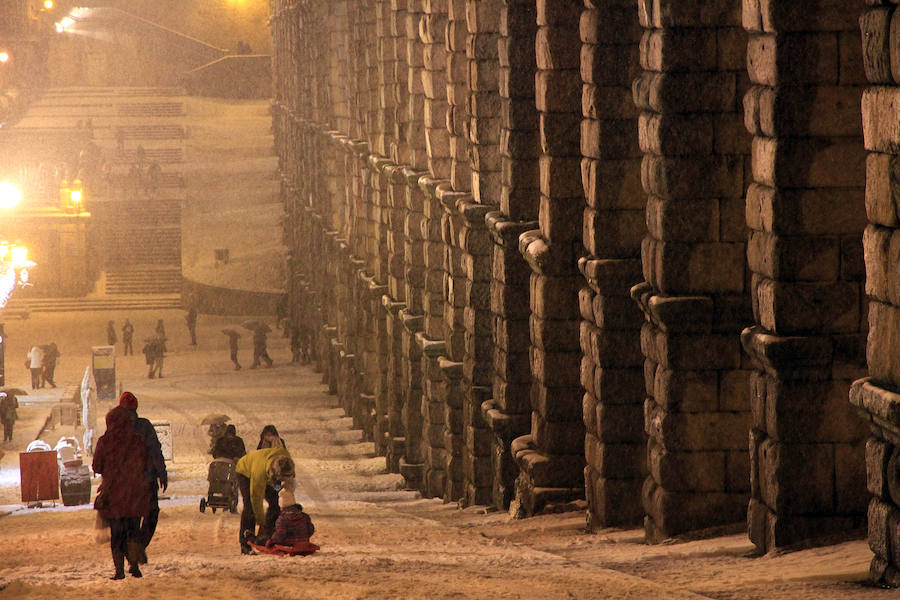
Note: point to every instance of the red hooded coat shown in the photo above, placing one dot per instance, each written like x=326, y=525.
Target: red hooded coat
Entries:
x=121, y=457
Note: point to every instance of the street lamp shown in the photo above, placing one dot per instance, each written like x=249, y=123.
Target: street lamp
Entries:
x=4, y=56
x=10, y=196
x=14, y=265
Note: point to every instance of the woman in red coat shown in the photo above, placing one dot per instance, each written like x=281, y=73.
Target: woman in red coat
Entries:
x=124, y=496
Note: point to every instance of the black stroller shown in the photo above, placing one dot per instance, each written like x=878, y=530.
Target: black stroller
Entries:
x=222, y=486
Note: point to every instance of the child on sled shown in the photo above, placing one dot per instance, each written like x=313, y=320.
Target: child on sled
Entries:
x=292, y=529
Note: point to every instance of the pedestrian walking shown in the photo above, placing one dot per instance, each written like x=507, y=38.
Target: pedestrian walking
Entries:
x=34, y=361
x=120, y=139
x=151, y=181
x=8, y=414
x=233, y=337
x=48, y=364
x=259, y=475
x=191, y=320
x=259, y=348
x=230, y=445
x=269, y=438
x=127, y=337
x=157, y=476
x=154, y=353
x=123, y=498
x=111, y=338
x=161, y=332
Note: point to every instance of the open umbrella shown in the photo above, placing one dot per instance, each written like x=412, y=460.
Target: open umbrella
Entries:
x=214, y=418
x=14, y=391
x=231, y=333
x=252, y=324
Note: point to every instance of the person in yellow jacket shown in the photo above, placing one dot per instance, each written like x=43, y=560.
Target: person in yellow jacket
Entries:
x=259, y=476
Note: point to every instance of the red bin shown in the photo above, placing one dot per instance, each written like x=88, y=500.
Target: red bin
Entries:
x=39, y=473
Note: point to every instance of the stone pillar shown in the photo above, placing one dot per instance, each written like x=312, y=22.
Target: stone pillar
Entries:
x=433, y=32
x=613, y=226
x=875, y=397
x=694, y=297
x=508, y=413
x=805, y=209
x=551, y=457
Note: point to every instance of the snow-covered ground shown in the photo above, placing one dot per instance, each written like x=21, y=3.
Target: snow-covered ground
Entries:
x=378, y=541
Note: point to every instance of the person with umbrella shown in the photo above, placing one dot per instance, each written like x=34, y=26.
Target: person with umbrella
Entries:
x=259, y=344
x=233, y=337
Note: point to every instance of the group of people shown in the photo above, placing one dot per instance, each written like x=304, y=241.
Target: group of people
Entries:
x=129, y=457
x=41, y=361
x=260, y=351
x=154, y=349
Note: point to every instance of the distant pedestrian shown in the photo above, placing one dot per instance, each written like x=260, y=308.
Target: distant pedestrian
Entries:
x=120, y=139
x=127, y=337
x=111, y=338
x=34, y=361
x=151, y=181
x=123, y=498
x=259, y=348
x=8, y=414
x=269, y=438
x=233, y=337
x=48, y=364
x=191, y=320
x=161, y=333
x=154, y=352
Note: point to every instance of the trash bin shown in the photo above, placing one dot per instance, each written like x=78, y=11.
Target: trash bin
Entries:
x=75, y=485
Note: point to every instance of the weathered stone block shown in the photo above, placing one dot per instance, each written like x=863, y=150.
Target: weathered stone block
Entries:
x=687, y=471
x=796, y=479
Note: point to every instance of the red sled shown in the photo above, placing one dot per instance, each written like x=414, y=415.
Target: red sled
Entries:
x=298, y=549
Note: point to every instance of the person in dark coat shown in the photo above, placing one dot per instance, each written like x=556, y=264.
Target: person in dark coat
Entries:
x=111, y=338
x=127, y=337
x=269, y=438
x=233, y=337
x=154, y=352
x=259, y=348
x=229, y=445
x=124, y=496
x=191, y=320
x=8, y=414
x=161, y=333
x=157, y=476
x=48, y=366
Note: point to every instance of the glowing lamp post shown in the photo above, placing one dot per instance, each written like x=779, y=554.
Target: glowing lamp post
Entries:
x=10, y=196
x=72, y=196
x=14, y=265
x=4, y=56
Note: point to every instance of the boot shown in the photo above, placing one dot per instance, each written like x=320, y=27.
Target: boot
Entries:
x=136, y=556
x=119, y=563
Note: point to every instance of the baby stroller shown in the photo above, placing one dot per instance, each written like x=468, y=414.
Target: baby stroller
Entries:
x=222, y=486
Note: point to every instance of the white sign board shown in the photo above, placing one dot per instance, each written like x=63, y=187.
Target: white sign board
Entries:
x=164, y=433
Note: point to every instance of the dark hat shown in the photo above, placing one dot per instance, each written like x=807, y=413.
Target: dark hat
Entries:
x=128, y=400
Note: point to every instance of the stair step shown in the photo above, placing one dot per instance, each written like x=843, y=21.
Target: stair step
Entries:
x=151, y=109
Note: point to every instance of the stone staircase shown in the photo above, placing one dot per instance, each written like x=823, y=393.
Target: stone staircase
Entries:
x=143, y=280
x=19, y=307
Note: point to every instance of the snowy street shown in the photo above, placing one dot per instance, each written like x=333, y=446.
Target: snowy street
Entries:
x=377, y=540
